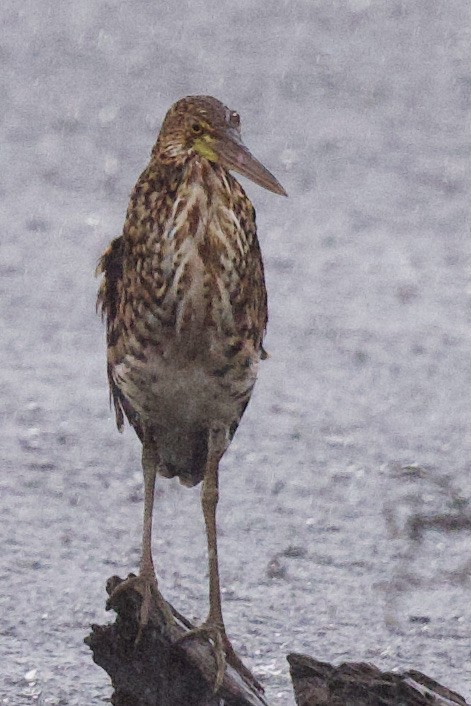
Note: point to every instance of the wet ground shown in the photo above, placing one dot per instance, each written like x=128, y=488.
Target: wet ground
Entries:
x=344, y=517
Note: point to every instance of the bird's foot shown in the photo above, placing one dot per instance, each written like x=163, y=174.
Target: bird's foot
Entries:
x=214, y=632
x=224, y=653
x=146, y=585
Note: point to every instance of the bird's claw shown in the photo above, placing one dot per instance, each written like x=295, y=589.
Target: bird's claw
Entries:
x=216, y=634
x=147, y=587
x=224, y=653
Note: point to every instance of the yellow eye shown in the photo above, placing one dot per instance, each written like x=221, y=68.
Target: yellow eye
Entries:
x=196, y=128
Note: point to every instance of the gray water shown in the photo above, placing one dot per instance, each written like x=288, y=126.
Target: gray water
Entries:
x=356, y=431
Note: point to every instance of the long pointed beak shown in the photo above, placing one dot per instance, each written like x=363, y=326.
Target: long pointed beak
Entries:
x=235, y=155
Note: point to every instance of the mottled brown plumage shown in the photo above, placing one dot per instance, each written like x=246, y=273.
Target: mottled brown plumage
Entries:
x=184, y=298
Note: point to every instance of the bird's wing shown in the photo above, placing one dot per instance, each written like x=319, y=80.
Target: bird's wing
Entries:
x=110, y=266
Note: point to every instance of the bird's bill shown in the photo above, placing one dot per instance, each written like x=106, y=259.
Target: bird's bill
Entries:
x=235, y=155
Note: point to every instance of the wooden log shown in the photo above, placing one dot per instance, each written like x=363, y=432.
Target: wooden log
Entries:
x=157, y=670
x=322, y=684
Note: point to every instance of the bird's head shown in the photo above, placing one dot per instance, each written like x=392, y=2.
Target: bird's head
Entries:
x=201, y=126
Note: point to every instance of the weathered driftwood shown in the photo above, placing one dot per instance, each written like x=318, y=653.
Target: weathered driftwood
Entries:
x=160, y=671
x=157, y=670
x=321, y=684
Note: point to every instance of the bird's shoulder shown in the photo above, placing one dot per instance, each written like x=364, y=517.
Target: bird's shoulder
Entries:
x=151, y=205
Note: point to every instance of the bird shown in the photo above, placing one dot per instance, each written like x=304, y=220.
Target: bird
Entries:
x=183, y=296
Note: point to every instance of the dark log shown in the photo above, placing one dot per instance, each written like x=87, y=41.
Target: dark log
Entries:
x=321, y=684
x=157, y=670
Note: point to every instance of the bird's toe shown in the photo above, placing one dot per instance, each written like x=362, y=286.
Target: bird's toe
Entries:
x=147, y=587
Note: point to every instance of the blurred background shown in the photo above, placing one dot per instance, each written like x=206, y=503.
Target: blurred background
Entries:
x=344, y=516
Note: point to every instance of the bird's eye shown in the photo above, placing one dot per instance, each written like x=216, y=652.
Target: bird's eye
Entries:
x=196, y=128
x=234, y=119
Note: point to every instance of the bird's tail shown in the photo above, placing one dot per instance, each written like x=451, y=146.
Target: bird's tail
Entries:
x=179, y=453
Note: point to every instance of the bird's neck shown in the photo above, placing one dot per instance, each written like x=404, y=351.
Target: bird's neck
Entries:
x=199, y=174
x=173, y=202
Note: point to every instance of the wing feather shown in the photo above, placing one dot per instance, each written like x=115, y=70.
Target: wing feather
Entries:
x=110, y=266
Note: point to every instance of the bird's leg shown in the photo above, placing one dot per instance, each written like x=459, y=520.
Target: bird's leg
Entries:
x=209, y=501
x=213, y=627
x=150, y=461
x=146, y=582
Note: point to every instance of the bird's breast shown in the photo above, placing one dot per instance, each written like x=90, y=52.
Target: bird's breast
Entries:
x=198, y=259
